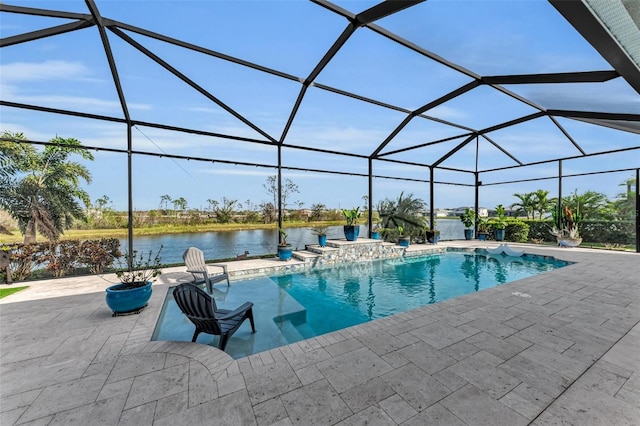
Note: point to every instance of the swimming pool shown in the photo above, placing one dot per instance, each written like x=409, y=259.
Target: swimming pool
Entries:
x=294, y=307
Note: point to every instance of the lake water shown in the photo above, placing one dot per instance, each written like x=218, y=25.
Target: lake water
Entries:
x=228, y=244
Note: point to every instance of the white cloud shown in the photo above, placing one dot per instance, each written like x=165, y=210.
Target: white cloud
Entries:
x=47, y=70
x=446, y=113
x=75, y=102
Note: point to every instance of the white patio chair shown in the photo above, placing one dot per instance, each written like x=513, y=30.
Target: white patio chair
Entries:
x=194, y=259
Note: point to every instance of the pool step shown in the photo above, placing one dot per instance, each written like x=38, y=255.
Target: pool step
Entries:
x=305, y=255
x=289, y=331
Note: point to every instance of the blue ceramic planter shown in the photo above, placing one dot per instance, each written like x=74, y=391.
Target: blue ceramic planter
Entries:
x=322, y=240
x=375, y=235
x=285, y=252
x=351, y=232
x=127, y=301
x=499, y=234
x=404, y=241
x=468, y=234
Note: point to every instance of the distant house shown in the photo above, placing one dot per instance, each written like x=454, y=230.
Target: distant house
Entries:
x=482, y=211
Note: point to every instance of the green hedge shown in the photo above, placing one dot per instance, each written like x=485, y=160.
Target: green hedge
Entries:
x=603, y=232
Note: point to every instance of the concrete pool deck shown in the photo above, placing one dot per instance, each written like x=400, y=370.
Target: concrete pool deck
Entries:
x=558, y=348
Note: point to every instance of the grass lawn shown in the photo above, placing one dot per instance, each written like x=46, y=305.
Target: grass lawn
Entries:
x=4, y=292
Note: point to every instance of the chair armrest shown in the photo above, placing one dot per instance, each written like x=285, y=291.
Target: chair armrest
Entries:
x=224, y=267
x=237, y=311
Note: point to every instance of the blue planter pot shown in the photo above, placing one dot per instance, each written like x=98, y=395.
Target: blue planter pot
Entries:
x=482, y=236
x=322, y=240
x=285, y=252
x=351, y=232
x=129, y=300
x=404, y=241
x=468, y=234
x=375, y=235
x=433, y=236
x=499, y=234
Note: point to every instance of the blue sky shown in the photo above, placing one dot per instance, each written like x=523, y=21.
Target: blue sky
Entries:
x=70, y=71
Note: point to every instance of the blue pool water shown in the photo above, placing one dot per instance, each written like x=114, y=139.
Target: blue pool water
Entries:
x=293, y=307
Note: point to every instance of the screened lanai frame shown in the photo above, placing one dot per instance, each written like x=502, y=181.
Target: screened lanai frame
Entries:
x=589, y=21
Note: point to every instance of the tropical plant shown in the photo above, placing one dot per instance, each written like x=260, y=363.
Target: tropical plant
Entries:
x=499, y=222
x=283, y=237
x=526, y=205
x=542, y=204
x=144, y=267
x=320, y=230
x=41, y=188
x=351, y=215
x=405, y=211
x=483, y=224
x=468, y=218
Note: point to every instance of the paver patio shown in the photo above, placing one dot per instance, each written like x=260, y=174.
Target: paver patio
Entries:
x=558, y=348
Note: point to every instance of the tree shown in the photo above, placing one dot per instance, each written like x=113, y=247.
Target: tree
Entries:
x=541, y=203
x=179, y=204
x=40, y=189
x=164, y=201
x=527, y=204
x=623, y=207
x=288, y=188
x=590, y=204
x=405, y=211
x=317, y=212
x=225, y=212
x=268, y=212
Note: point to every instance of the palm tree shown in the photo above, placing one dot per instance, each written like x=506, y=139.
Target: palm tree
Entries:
x=405, y=211
x=526, y=204
x=589, y=204
x=541, y=202
x=42, y=189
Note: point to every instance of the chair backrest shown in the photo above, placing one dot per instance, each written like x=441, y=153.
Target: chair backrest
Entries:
x=193, y=258
x=198, y=306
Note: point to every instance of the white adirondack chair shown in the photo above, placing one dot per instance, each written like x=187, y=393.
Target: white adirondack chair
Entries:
x=194, y=259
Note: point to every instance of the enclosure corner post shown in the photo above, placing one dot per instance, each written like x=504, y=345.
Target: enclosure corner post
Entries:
x=637, y=210
x=370, y=200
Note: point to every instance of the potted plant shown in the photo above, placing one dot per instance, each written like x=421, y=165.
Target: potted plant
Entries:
x=285, y=251
x=375, y=233
x=498, y=225
x=351, y=229
x=433, y=236
x=133, y=292
x=403, y=240
x=483, y=228
x=569, y=235
x=321, y=232
x=468, y=218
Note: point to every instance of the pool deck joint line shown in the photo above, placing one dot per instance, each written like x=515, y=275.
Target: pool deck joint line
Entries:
x=562, y=347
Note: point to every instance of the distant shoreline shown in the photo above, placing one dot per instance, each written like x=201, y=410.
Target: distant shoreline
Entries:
x=88, y=234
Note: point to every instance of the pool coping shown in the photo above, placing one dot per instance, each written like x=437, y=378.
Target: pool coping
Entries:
x=331, y=377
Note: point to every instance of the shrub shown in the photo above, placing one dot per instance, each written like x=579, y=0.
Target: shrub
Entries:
x=603, y=232
x=516, y=231
x=56, y=259
x=98, y=255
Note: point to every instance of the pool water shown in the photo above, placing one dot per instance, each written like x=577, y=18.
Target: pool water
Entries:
x=293, y=307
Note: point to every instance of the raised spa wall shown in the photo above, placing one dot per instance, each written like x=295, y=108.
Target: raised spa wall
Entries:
x=335, y=253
